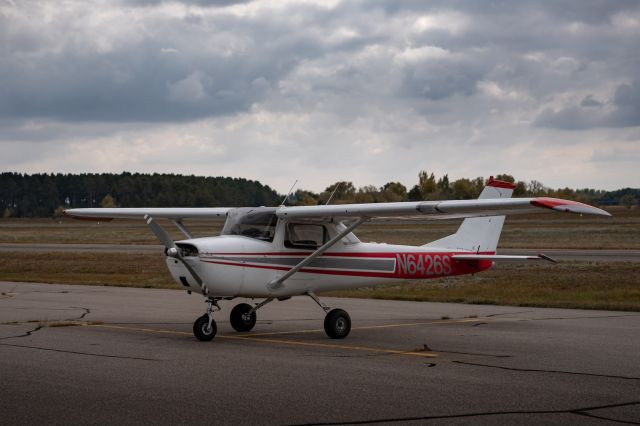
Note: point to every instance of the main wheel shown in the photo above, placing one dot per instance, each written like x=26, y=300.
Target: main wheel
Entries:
x=240, y=319
x=202, y=331
x=337, y=324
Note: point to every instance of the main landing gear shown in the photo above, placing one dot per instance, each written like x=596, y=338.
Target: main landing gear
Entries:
x=243, y=317
x=337, y=323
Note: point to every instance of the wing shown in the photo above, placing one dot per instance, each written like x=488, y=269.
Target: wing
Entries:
x=174, y=213
x=450, y=209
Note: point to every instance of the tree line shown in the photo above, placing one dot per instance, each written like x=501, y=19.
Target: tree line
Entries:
x=45, y=195
x=430, y=187
x=42, y=195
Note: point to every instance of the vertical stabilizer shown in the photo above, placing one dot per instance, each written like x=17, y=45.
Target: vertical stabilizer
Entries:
x=479, y=234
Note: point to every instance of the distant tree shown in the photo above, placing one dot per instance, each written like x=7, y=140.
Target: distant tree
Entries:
x=566, y=193
x=414, y=194
x=536, y=189
x=628, y=200
x=520, y=189
x=478, y=185
x=305, y=198
x=367, y=194
x=505, y=177
x=108, y=202
x=464, y=189
x=427, y=184
x=344, y=194
x=443, y=188
x=393, y=192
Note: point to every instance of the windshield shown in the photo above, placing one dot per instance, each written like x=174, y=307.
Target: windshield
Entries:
x=258, y=223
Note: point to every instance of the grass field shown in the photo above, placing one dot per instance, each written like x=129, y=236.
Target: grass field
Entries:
x=590, y=285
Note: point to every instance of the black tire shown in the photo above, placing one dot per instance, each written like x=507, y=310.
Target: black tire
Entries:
x=337, y=324
x=239, y=320
x=200, y=329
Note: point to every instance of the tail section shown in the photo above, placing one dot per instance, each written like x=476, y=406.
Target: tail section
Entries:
x=479, y=234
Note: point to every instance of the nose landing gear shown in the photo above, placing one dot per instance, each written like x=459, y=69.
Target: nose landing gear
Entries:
x=205, y=328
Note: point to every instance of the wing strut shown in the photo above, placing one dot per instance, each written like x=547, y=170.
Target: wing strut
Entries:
x=276, y=283
x=178, y=223
x=173, y=251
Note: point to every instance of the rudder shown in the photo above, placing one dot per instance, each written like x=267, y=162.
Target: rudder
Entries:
x=479, y=234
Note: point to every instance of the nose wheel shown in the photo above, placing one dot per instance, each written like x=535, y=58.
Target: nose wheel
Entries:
x=205, y=328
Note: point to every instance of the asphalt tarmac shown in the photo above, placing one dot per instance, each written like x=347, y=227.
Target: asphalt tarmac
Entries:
x=96, y=355
x=607, y=255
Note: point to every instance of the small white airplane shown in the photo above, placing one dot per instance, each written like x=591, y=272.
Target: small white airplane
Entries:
x=280, y=252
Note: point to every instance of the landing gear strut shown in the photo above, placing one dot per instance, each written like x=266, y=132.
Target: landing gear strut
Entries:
x=337, y=323
x=204, y=328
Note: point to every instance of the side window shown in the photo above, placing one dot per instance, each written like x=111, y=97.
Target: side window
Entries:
x=304, y=235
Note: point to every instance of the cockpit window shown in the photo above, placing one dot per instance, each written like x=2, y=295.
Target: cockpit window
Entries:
x=257, y=223
x=305, y=235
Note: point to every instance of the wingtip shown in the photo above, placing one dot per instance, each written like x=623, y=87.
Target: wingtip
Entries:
x=568, y=206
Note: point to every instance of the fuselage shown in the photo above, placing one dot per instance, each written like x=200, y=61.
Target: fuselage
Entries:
x=239, y=266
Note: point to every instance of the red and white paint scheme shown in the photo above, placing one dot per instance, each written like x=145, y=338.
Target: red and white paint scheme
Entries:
x=279, y=252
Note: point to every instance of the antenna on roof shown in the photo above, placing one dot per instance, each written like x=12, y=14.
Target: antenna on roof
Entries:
x=288, y=193
x=333, y=193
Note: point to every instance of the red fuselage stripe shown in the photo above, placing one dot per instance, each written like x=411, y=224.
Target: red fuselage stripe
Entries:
x=388, y=255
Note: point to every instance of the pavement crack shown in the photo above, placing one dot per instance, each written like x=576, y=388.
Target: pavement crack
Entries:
x=627, y=422
x=86, y=312
x=26, y=334
x=578, y=318
x=533, y=370
x=78, y=352
x=507, y=313
x=578, y=411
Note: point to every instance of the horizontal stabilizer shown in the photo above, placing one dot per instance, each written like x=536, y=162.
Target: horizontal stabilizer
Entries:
x=500, y=258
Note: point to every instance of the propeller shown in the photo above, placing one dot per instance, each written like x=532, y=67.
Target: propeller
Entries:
x=160, y=233
x=172, y=250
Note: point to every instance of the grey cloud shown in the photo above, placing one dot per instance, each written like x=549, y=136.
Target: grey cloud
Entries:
x=624, y=113
x=150, y=78
x=590, y=101
x=220, y=64
x=587, y=11
x=207, y=3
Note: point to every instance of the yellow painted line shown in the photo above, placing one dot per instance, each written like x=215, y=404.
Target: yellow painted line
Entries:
x=280, y=341
x=148, y=330
x=366, y=327
x=333, y=346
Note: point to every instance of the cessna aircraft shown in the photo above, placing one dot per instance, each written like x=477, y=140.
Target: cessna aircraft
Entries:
x=279, y=252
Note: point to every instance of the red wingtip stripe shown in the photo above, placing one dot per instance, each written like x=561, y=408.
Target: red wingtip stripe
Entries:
x=550, y=203
x=500, y=183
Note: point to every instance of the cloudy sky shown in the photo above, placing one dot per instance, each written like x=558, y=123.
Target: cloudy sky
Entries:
x=368, y=91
